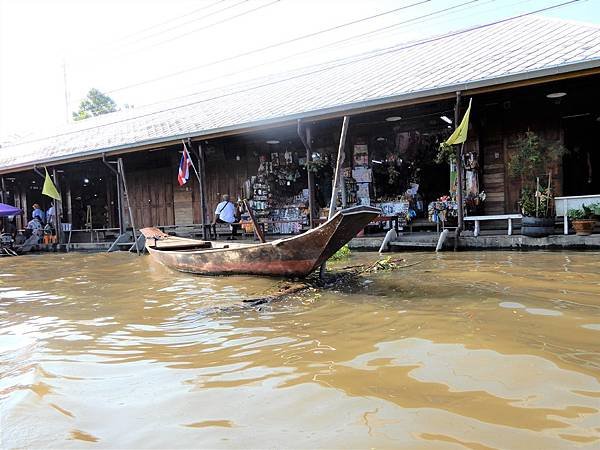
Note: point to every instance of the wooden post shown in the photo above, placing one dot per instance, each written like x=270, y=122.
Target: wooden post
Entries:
x=336, y=177
x=69, y=203
x=310, y=177
x=338, y=167
x=117, y=173
x=459, y=175
x=305, y=139
x=255, y=224
x=122, y=173
x=57, y=208
x=202, y=187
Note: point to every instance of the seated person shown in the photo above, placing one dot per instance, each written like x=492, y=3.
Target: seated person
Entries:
x=36, y=227
x=227, y=212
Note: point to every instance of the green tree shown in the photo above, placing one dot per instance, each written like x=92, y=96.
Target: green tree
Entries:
x=95, y=103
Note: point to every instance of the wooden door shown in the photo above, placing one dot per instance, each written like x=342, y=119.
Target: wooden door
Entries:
x=494, y=165
x=151, y=197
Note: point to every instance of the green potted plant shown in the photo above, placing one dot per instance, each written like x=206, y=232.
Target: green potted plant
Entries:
x=533, y=157
x=584, y=219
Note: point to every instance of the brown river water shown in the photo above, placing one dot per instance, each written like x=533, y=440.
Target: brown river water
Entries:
x=466, y=350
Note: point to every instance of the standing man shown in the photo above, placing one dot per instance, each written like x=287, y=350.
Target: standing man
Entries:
x=226, y=212
x=51, y=215
x=39, y=213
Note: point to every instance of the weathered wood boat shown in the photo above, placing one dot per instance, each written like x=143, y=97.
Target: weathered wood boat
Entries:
x=294, y=256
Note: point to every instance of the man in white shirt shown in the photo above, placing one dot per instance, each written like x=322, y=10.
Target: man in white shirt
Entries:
x=51, y=216
x=226, y=212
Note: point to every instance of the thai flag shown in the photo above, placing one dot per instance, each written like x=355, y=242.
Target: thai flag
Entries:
x=184, y=167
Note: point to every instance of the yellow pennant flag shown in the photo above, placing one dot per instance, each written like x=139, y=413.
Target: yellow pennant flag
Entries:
x=460, y=133
x=49, y=188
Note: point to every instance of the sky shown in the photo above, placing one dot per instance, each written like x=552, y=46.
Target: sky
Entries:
x=58, y=48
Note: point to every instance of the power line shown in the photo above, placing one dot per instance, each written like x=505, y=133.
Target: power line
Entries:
x=219, y=22
x=271, y=46
x=174, y=19
x=414, y=20
x=192, y=21
x=157, y=25
x=386, y=51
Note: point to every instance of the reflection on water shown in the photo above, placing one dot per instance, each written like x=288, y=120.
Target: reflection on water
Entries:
x=467, y=350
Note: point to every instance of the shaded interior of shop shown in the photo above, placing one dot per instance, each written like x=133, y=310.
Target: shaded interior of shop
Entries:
x=566, y=111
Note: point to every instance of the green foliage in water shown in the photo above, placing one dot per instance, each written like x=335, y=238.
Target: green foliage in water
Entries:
x=341, y=254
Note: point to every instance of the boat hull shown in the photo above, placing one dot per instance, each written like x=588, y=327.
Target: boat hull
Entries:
x=296, y=256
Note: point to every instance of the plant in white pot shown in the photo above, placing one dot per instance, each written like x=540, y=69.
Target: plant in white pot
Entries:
x=534, y=157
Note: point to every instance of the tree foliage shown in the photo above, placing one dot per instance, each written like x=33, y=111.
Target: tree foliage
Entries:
x=95, y=103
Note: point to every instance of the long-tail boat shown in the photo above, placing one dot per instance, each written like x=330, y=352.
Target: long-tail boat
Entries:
x=295, y=256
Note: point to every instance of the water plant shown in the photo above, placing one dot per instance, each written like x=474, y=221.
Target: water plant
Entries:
x=341, y=254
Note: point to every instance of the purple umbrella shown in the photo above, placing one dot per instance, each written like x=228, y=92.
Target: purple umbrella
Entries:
x=7, y=210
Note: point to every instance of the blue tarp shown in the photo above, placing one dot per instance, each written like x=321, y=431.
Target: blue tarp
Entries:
x=7, y=210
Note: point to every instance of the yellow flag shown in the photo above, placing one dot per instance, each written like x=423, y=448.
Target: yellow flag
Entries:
x=460, y=133
x=49, y=188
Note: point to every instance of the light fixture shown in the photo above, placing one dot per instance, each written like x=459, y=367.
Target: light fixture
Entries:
x=575, y=116
x=555, y=95
x=380, y=139
x=393, y=118
x=446, y=119
x=374, y=161
x=450, y=126
x=272, y=141
x=86, y=180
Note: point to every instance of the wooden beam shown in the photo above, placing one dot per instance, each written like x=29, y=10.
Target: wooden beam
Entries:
x=459, y=173
x=338, y=167
x=257, y=229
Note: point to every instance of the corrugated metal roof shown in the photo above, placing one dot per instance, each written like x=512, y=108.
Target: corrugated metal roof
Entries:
x=526, y=47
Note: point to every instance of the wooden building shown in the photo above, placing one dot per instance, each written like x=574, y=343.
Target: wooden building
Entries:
x=521, y=75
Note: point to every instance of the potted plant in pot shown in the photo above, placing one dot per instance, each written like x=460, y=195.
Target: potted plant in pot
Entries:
x=533, y=157
x=584, y=219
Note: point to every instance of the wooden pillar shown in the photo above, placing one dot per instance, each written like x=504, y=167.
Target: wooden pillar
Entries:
x=68, y=203
x=57, y=209
x=23, y=196
x=337, y=178
x=459, y=174
x=110, y=210
x=202, y=187
x=310, y=178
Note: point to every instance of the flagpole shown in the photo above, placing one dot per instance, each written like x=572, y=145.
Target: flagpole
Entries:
x=459, y=181
x=200, y=186
x=57, y=209
x=191, y=162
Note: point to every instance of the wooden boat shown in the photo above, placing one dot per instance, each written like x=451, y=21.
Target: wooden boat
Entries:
x=294, y=256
